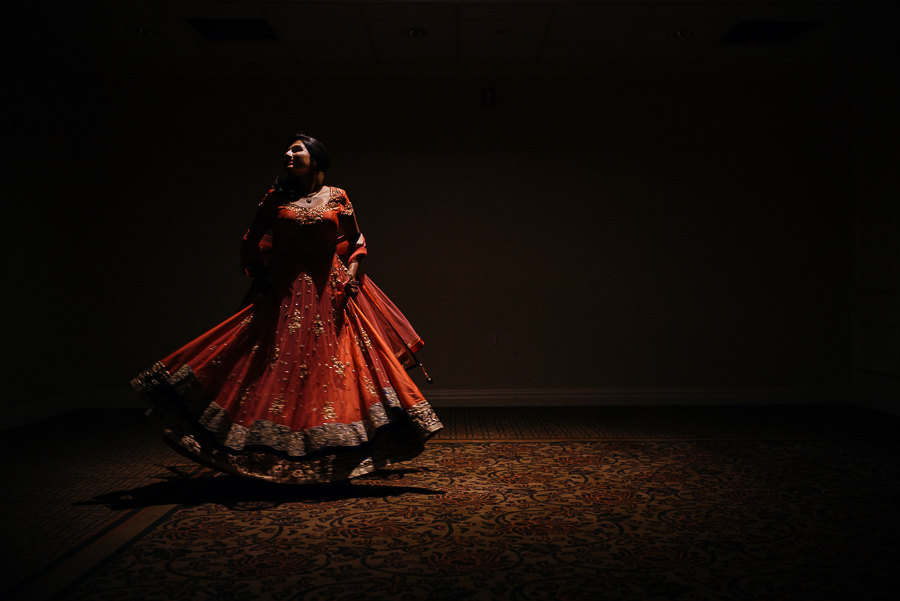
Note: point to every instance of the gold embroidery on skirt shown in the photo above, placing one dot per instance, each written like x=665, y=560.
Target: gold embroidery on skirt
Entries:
x=277, y=405
x=338, y=366
x=273, y=362
x=318, y=326
x=296, y=321
x=370, y=388
x=303, y=371
x=337, y=277
x=328, y=412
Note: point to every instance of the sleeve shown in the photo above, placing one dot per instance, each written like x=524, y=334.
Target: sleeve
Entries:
x=346, y=207
x=358, y=251
x=251, y=255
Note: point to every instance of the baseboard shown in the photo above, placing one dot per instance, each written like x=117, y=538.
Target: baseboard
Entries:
x=884, y=402
x=21, y=415
x=639, y=396
x=521, y=397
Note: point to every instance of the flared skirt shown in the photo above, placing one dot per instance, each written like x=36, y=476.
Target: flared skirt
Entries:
x=298, y=387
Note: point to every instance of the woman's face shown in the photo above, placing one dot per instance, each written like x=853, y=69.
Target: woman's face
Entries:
x=297, y=161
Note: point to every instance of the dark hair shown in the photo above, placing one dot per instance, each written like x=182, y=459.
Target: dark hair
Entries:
x=287, y=186
x=316, y=149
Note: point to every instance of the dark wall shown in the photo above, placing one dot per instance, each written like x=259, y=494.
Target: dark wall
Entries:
x=583, y=233
x=876, y=301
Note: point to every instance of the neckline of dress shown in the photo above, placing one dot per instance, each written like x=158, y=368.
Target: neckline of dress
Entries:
x=294, y=204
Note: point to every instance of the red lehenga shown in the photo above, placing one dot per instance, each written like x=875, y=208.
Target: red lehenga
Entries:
x=299, y=386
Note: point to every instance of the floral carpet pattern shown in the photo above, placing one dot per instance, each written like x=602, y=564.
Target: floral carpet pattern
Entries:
x=750, y=520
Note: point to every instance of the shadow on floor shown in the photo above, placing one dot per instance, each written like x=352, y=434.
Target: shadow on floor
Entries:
x=243, y=494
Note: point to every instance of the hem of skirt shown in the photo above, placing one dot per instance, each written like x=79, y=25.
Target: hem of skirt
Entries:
x=299, y=472
x=326, y=453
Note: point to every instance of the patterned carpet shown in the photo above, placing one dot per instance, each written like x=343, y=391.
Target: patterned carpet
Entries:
x=810, y=516
x=661, y=422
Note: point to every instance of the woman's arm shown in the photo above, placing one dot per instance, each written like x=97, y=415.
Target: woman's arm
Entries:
x=252, y=263
x=347, y=221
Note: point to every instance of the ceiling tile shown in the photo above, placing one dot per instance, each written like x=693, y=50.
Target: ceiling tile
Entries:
x=699, y=12
x=512, y=10
x=819, y=54
x=341, y=53
x=889, y=11
x=861, y=32
x=67, y=9
x=164, y=39
x=311, y=10
x=234, y=30
x=408, y=10
x=212, y=9
x=839, y=42
x=619, y=12
x=499, y=53
x=682, y=32
x=116, y=8
x=416, y=53
x=788, y=12
x=743, y=53
x=662, y=54
x=592, y=31
x=582, y=53
x=249, y=51
x=438, y=31
x=502, y=31
x=313, y=31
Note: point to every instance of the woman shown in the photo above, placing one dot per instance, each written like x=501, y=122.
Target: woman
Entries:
x=385, y=317
x=298, y=386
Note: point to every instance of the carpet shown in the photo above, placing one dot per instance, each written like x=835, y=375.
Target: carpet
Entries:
x=521, y=521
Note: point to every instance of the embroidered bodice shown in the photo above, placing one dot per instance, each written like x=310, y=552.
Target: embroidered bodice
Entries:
x=297, y=230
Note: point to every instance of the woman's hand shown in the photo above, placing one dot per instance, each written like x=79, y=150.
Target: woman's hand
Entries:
x=351, y=288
